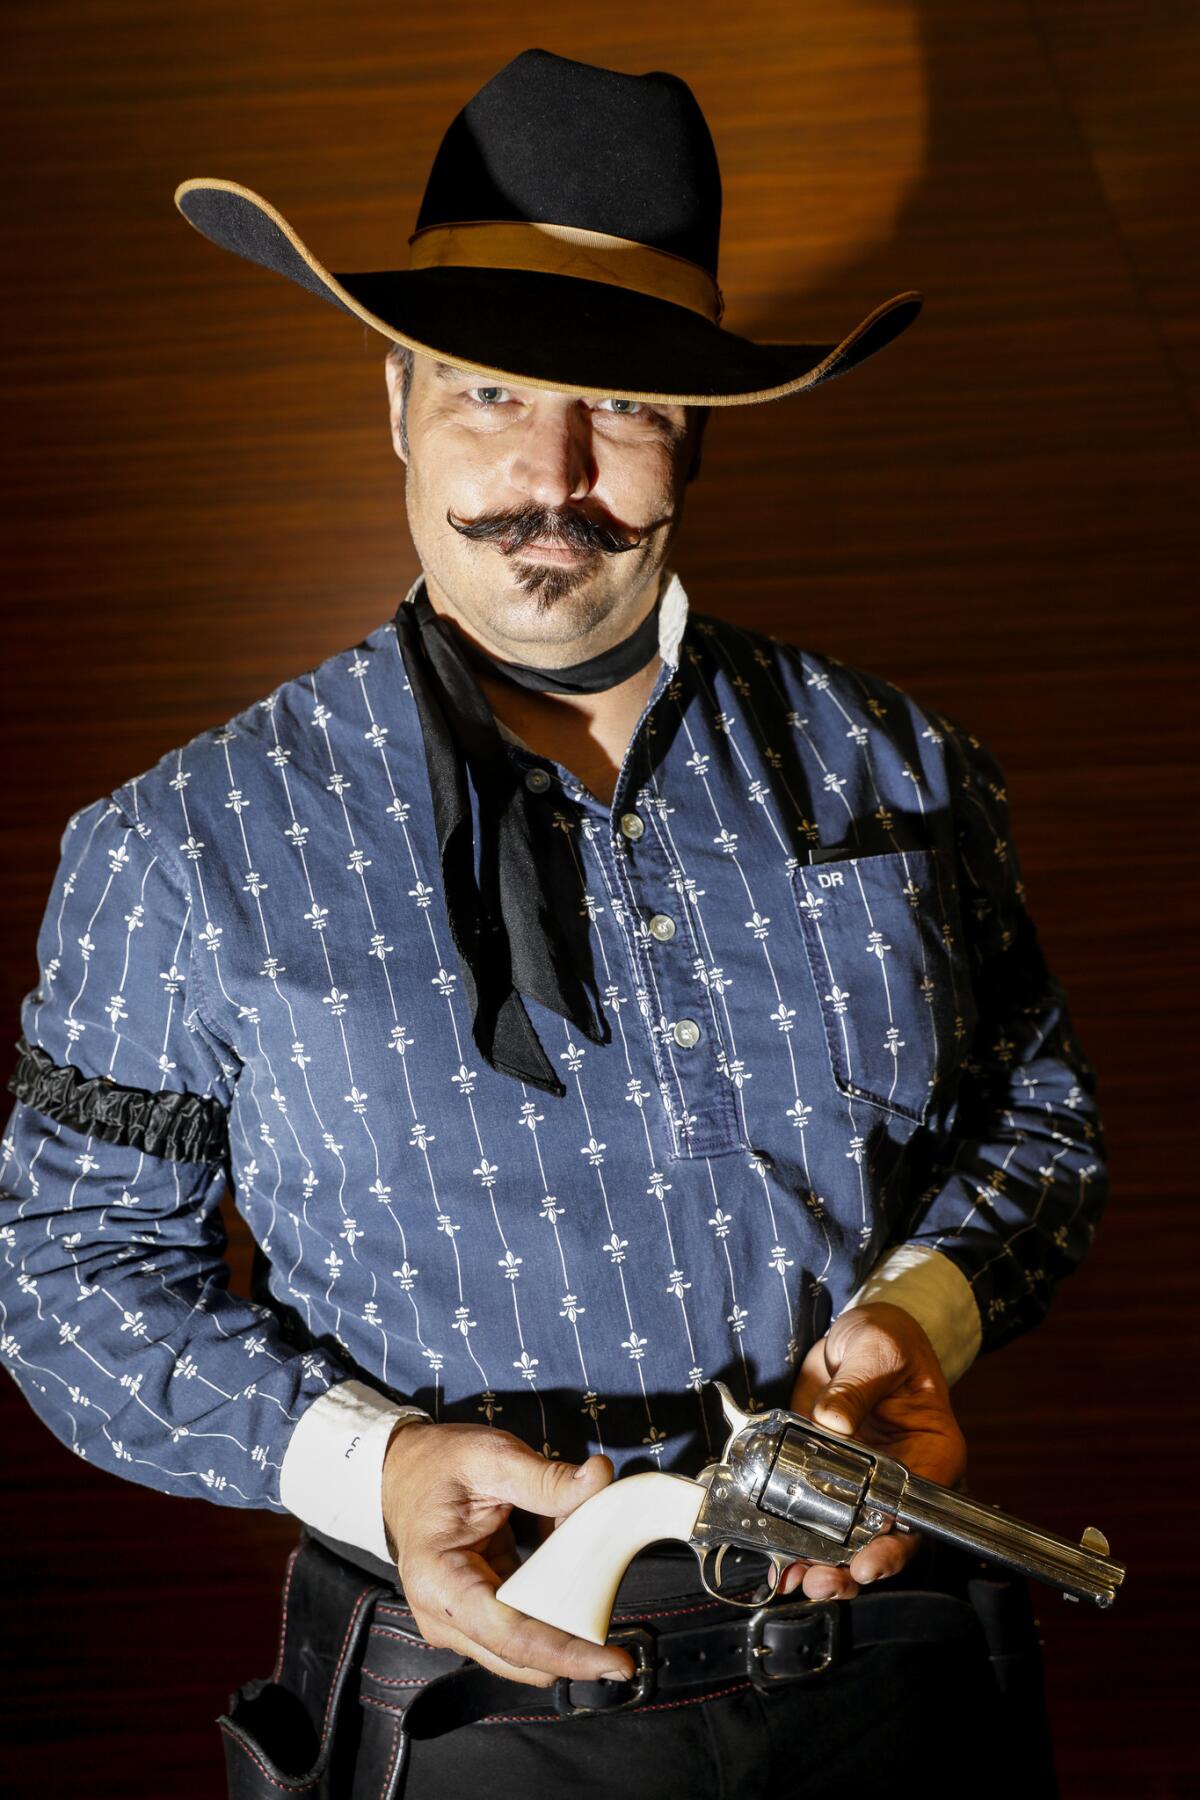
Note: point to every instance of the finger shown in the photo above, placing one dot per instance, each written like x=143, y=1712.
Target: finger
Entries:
x=464, y=1591
x=813, y=1375
x=823, y=1582
x=500, y=1551
x=805, y=1394
x=520, y=1476
x=819, y=1581
x=462, y=1646
x=792, y=1576
x=885, y=1555
x=853, y=1394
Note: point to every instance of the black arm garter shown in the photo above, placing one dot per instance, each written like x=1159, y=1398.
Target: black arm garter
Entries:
x=183, y=1127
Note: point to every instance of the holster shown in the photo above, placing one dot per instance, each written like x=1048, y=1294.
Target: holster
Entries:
x=303, y=1730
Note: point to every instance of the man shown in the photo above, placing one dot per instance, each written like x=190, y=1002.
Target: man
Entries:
x=586, y=1000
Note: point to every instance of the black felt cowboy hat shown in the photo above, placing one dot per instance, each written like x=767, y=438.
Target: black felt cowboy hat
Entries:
x=567, y=239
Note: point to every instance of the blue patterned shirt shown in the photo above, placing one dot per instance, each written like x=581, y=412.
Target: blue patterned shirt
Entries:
x=832, y=1033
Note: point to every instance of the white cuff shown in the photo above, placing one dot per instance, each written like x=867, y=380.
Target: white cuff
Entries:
x=332, y=1473
x=936, y=1293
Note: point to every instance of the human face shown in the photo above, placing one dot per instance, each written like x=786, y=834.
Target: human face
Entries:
x=542, y=520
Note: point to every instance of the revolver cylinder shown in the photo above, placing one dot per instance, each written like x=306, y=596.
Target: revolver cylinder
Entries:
x=815, y=1484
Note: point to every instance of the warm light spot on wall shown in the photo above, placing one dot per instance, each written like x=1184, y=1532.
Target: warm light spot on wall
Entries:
x=821, y=145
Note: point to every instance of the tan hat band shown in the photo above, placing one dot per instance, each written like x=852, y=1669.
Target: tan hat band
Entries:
x=569, y=250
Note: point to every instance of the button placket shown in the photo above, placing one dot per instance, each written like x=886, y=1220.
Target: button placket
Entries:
x=687, y=1049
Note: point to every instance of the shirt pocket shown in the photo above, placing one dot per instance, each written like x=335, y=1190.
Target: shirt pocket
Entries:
x=883, y=937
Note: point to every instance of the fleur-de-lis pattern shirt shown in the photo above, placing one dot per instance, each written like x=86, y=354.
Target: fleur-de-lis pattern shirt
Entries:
x=837, y=1067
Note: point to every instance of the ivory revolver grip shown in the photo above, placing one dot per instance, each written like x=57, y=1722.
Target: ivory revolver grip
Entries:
x=571, y=1580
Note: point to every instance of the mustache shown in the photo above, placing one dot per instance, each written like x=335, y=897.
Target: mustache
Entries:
x=568, y=530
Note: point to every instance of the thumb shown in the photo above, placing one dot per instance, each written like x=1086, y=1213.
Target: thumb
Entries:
x=534, y=1483
x=845, y=1402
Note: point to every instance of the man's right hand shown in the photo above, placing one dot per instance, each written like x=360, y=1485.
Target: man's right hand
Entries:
x=448, y=1491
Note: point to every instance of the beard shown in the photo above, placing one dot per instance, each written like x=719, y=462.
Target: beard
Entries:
x=549, y=583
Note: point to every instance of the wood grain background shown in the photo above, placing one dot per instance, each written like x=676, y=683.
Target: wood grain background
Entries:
x=998, y=513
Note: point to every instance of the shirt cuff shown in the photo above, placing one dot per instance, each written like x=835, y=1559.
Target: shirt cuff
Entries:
x=332, y=1472
x=938, y=1296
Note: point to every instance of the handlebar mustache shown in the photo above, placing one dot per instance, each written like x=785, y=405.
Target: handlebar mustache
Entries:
x=570, y=530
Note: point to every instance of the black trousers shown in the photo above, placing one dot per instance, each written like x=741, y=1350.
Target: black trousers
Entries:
x=957, y=1715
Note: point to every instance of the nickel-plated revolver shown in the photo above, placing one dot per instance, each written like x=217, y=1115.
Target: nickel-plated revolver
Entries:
x=792, y=1491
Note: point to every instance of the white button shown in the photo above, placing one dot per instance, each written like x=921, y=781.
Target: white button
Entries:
x=662, y=927
x=632, y=826
x=537, y=781
x=687, y=1034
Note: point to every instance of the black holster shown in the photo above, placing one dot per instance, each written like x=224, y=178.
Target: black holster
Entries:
x=304, y=1730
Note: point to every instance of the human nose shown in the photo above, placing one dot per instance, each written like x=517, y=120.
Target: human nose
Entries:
x=553, y=462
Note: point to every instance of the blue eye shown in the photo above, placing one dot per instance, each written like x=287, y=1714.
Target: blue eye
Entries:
x=628, y=409
x=471, y=393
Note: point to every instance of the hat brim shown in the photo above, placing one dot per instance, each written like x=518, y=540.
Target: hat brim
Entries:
x=542, y=330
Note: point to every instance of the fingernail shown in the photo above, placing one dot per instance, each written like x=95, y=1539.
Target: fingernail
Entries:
x=615, y=1675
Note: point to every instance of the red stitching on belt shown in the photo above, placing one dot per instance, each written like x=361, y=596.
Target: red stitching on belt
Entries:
x=395, y=1757
x=287, y=1594
x=655, y=1706
x=621, y=1615
x=386, y=1706
x=276, y=1781
x=671, y=1612
x=358, y=1606
x=401, y=1637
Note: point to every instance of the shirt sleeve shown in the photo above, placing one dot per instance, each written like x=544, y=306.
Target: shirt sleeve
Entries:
x=115, y=1316
x=1010, y=1196
x=934, y=1291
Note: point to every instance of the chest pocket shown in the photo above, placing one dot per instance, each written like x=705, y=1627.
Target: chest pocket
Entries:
x=883, y=936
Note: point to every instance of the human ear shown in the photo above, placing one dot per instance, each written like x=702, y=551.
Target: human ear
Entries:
x=394, y=376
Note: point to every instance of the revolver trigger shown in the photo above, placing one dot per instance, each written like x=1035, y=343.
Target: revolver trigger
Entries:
x=719, y=1563
x=778, y=1564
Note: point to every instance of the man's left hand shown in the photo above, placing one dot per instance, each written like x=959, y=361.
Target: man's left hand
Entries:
x=876, y=1377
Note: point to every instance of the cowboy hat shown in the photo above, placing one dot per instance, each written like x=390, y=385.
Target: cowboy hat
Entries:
x=567, y=239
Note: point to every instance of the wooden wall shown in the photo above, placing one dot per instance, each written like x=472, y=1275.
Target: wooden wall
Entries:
x=999, y=513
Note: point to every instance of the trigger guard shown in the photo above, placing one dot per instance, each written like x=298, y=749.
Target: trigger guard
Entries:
x=717, y=1553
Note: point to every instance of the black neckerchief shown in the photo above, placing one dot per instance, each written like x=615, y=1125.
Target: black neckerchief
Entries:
x=511, y=907
x=608, y=670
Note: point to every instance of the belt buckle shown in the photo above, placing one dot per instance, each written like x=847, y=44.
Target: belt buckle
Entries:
x=642, y=1644
x=757, y=1651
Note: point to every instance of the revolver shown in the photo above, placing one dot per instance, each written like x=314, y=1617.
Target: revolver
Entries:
x=789, y=1489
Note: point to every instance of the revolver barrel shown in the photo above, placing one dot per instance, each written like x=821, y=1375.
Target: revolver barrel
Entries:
x=1084, y=1570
